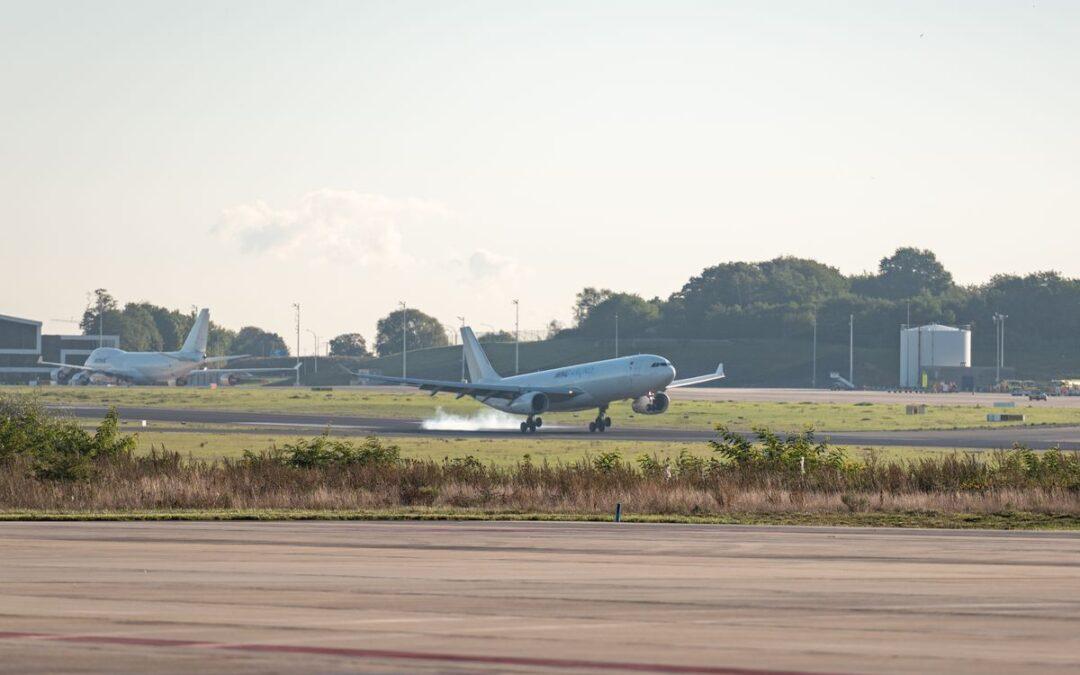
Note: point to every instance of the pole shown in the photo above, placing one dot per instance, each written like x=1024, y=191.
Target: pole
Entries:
x=813, y=357
x=404, y=345
x=296, y=306
x=100, y=323
x=1003, y=316
x=517, y=335
x=997, y=349
x=616, y=335
x=462, y=320
x=851, y=349
x=316, y=339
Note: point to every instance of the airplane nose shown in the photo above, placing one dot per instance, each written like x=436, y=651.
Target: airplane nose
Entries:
x=670, y=375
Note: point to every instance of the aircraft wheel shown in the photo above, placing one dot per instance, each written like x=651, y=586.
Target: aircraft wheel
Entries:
x=607, y=421
x=592, y=427
x=600, y=426
x=539, y=422
x=532, y=428
x=524, y=427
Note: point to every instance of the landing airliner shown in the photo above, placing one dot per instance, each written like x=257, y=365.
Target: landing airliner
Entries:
x=643, y=378
x=153, y=367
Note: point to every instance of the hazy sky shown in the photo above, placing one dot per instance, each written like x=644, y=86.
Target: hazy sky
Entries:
x=455, y=155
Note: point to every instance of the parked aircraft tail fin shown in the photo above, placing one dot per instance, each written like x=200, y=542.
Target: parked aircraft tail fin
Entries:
x=480, y=369
x=196, y=339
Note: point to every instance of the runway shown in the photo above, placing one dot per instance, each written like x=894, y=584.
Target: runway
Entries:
x=534, y=597
x=1038, y=437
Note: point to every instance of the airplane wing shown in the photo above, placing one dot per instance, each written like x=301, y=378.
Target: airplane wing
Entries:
x=718, y=375
x=68, y=365
x=479, y=390
x=222, y=371
x=223, y=359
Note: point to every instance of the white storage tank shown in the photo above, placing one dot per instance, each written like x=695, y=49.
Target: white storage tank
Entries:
x=932, y=346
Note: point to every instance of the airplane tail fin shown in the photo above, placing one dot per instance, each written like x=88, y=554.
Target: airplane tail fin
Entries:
x=196, y=339
x=480, y=369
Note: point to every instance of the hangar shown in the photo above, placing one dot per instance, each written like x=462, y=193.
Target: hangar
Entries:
x=22, y=344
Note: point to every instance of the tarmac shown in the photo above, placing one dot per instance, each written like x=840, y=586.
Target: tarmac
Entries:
x=534, y=597
x=1037, y=437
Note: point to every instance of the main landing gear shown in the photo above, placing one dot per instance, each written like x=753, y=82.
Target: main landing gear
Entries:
x=602, y=421
x=531, y=425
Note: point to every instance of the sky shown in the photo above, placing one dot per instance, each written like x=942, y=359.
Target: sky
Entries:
x=457, y=155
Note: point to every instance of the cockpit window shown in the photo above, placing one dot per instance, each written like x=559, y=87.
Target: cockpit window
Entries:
x=658, y=364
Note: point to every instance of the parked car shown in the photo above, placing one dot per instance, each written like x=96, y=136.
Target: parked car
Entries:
x=1037, y=396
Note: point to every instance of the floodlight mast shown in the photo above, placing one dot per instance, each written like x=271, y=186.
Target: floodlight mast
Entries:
x=296, y=306
x=462, y=320
x=404, y=345
x=517, y=335
x=316, y=340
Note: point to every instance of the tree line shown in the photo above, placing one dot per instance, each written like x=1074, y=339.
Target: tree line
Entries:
x=785, y=297
x=776, y=299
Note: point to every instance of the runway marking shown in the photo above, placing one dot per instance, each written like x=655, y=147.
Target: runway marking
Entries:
x=305, y=425
x=399, y=655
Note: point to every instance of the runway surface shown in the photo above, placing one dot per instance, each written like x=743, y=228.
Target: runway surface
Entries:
x=1039, y=437
x=534, y=597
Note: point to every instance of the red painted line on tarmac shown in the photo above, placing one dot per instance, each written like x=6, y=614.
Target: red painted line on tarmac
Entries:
x=390, y=654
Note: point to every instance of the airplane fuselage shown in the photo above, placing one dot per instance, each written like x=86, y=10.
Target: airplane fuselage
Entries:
x=601, y=382
x=142, y=367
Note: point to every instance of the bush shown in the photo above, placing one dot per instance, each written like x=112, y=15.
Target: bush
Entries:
x=56, y=448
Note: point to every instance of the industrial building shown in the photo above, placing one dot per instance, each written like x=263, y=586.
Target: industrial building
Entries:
x=939, y=357
x=22, y=344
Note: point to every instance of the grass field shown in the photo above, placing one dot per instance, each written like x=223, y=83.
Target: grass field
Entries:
x=214, y=442
x=779, y=416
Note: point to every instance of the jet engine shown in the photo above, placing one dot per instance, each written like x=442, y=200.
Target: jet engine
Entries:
x=651, y=404
x=531, y=403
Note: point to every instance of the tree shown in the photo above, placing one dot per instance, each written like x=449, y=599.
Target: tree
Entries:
x=101, y=315
x=138, y=332
x=554, y=327
x=636, y=316
x=496, y=336
x=911, y=271
x=422, y=331
x=588, y=298
x=255, y=341
x=349, y=344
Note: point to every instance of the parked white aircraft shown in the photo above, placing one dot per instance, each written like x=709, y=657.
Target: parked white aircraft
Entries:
x=643, y=378
x=153, y=367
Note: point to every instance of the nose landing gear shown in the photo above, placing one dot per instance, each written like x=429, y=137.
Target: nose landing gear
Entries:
x=531, y=425
x=602, y=421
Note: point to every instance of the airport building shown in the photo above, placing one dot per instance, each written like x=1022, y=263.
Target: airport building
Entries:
x=937, y=356
x=22, y=344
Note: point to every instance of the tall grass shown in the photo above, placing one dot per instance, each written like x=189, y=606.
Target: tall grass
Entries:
x=771, y=475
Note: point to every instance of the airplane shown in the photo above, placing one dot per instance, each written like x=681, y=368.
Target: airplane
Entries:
x=153, y=367
x=644, y=378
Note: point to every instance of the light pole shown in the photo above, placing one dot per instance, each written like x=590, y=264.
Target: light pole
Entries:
x=462, y=320
x=296, y=306
x=813, y=357
x=999, y=335
x=517, y=335
x=316, y=340
x=616, y=335
x=404, y=345
x=851, y=350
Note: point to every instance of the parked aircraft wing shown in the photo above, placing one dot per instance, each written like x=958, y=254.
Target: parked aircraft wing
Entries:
x=68, y=365
x=481, y=390
x=222, y=371
x=718, y=375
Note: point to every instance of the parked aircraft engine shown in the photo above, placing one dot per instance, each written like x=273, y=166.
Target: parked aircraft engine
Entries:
x=651, y=404
x=531, y=403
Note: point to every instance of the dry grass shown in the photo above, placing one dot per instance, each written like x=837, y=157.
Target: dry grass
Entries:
x=169, y=483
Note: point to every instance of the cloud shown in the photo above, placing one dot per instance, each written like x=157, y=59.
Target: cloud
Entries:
x=338, y=226
x=484, y=265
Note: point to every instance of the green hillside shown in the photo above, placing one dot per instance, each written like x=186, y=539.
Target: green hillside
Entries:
x=747, y=362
